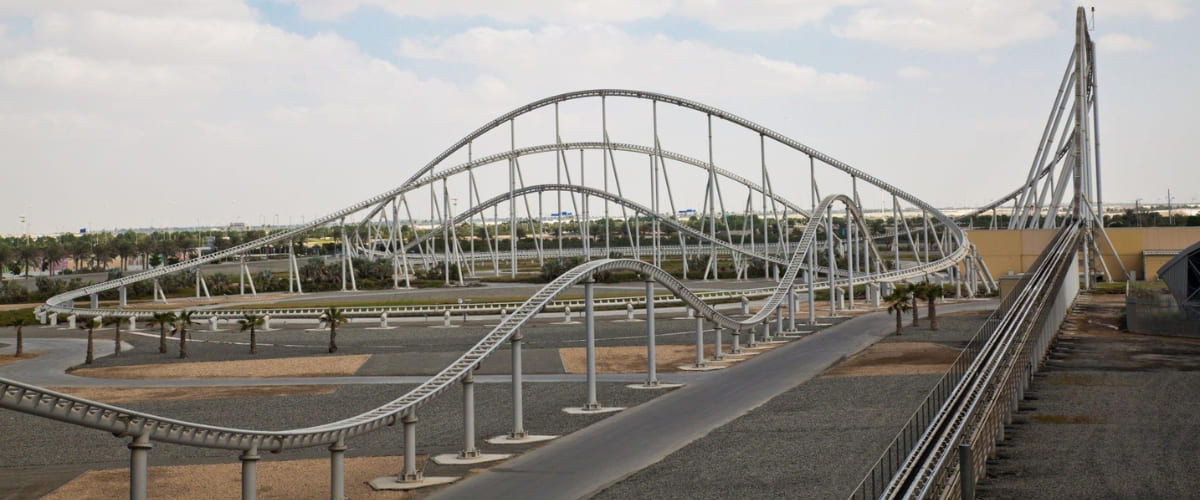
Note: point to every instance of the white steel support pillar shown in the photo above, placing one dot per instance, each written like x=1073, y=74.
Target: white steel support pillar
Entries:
x=700, y=344
x=717, y=354
x=469, y=450
x=410, y=472
x=337, y=470
x=139, y=451
x=249, y=460
x=589, y=328
x=651, y=369
x=791, y=300
x=518, y=430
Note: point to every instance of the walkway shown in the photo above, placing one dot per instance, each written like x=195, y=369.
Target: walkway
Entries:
x=584, y=463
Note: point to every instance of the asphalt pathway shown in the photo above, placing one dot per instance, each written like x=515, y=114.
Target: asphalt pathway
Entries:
x=586, y=462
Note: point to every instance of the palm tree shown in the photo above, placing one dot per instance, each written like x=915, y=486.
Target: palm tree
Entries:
x=182, y=320
x=116, y=322
x=89, y=324
x=910, y=290
x=19, y=322
x=250, y=322
x=27, y=254
x=162, y=319
x=930, y=292
x=898, y=302
x=333, y=317
x=6, y=254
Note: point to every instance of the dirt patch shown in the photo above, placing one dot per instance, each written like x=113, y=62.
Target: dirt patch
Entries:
x=896, y=358
x=631, y=359
x=315, y=366
x=116, y=395
x=8, y=359
x=291, y=479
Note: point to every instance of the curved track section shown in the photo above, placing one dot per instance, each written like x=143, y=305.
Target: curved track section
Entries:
x=34, y=400
x=955, y=249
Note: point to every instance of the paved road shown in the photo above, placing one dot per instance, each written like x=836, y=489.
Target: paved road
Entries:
x=584, y=463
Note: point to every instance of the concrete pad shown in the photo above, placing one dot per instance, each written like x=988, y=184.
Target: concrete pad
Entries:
x=565, y=323
x=660, y=385
x=454, y=459
x=577, y=410
x=529, y=438
x=391, y=483
x=705, y=368
x=629, y=321
x=379, y=328
x=444, y=327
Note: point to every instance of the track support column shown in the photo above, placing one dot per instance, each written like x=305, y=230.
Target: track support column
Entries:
x=410, y=448
x=791, y=300
x=249, y=460
x=651, y=368
x=700, y=344
x=589, y=328
x=717, y=354
x=469, y=450
x=337, y=470
x=518, y=430
x=139, y=451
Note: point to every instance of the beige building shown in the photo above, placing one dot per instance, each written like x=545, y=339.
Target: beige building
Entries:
x=1141, y=249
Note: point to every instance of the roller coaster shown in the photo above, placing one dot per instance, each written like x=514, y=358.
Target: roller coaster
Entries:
x=823, y=243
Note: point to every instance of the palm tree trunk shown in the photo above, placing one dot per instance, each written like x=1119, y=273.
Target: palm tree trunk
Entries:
x=253, y=341
x=89, y=358
x=182, y=343
x=899, y=322
x=20, y=343
x=932, y=314
x=332, y=337
x=914, y=310
x=162, y=338
x=117, y=339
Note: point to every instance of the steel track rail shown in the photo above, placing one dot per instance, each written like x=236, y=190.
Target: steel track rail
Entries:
x=937, y=439
x=43, y=402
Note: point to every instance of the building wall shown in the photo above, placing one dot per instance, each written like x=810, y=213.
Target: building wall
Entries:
x=1152, y=263
x=1015, y=251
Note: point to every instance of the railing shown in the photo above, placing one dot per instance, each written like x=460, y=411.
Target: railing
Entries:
x=969, y=399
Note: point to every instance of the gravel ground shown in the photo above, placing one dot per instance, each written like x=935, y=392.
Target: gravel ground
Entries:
x=35, y=460
x=406, y=340
x=1112, y=415
x=814, y=441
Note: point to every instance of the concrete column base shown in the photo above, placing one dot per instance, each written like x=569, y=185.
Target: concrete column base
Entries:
x=582, y=410
x=526, y=439
x=705, y=368
x=660, y=385
x=479, y=458
x=392, y=483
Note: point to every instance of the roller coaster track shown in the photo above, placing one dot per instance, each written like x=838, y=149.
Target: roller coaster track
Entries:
x=864, y=265
x=31, y=399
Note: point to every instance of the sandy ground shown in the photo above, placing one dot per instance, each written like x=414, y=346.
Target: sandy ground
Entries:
x=896, y=358
x=315, y=366
x=7, y=359
x=632, y=359
x=116, y=395
x=291, y=479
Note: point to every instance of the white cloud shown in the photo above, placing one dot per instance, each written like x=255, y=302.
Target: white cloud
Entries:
x=949, y=26
x=1158, y=10
x=555, y=58
x=912, y=73
x=1120, y=42
x=986, y=60
x=517, y=11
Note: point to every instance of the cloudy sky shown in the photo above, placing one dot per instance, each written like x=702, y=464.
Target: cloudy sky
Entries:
x=132, y=113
